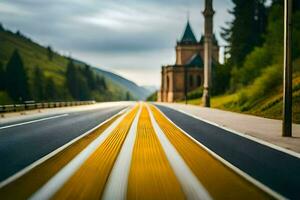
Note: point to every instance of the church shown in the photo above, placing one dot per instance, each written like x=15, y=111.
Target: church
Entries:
x=187, y=73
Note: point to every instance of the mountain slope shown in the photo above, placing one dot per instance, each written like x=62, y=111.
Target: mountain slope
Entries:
x=34, y=55
x=138, y=92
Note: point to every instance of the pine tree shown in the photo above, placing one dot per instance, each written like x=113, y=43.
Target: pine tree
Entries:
x=71, y=79
x=246, y=30
x=2, y=77
x=77, y=83
x=38, y=84
x=50, y=90
x=17, y=81
x=50, y=53
x=90, y=77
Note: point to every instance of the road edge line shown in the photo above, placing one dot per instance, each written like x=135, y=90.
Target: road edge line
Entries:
x=188, y=181
x=260, y=141
x=229, y=165
x=33, y=121
x=53, y=153
x=117, y=182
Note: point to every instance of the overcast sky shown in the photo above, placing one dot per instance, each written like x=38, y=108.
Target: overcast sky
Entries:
x=132, y=38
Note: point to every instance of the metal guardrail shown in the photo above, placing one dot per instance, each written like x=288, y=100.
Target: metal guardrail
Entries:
x=33, y=106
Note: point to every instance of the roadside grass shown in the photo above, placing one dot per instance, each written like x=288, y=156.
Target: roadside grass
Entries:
x=268, y=105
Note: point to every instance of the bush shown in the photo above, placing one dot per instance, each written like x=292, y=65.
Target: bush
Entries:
x=195, y=94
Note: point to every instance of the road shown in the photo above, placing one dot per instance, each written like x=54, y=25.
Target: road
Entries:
x=137, y=152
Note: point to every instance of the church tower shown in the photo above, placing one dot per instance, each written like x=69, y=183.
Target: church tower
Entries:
x=187, y=74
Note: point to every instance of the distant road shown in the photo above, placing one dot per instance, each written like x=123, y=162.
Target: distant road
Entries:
x=25, y=141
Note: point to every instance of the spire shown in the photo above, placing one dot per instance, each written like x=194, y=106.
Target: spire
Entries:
x=188, y=36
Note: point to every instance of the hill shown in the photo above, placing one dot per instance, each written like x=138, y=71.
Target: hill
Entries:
x=138, y=92
x=34, y=55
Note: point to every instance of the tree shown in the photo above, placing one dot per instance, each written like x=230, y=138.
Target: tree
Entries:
x=50, y=53
x=17, y=81
x=246, y=30
x=128, y=96
x=38, y=84
x=2, y=77
x=76, y=82
x=71, y=79
x=50, y=90
x=90, y=77
x=101, y=84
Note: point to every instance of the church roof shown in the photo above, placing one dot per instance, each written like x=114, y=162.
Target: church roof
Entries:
x=188, y=36
x=195, y=60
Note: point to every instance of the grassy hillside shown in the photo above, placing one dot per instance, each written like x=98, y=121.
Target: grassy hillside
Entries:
x=35, y=55
x=266, y=104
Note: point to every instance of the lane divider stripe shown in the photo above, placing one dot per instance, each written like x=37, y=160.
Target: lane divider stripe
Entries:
x=116, y=186
x=228, y=164
x=53, y=153
x=190, y=184
x=34, y=121
x=56, y=182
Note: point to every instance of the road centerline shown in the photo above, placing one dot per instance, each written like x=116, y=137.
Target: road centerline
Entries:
x=56, y=182
x=116, y=186
x=190, y=184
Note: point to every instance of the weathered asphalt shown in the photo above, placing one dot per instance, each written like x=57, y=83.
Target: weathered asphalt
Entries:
x=277, y=170
x=22, y=145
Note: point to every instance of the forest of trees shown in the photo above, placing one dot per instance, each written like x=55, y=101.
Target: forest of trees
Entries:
x=255, y=40
x=81, y=82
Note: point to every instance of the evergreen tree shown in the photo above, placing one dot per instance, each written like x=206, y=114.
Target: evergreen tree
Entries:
x=101, y=84
x=128, y=96
x=71, y=79
x=50, y=90
x=50, y=53
x=246, y=30
x=17, y=81
x=89, y=75
x=38, y=84
x=76, y=82
x=2, y=77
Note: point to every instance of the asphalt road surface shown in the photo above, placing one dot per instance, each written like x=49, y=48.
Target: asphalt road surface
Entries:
x=274, y=168
x=21, y=145
x=141, y=152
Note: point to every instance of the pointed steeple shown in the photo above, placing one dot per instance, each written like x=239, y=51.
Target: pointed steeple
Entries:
x=188, y=36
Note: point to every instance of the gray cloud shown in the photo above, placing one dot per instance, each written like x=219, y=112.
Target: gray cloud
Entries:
x=127, y=31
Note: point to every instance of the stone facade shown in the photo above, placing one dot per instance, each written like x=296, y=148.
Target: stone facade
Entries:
x=187, y=72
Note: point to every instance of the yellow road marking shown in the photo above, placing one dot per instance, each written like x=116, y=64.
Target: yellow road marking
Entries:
x=220, y=181
x=89, y=181
x=26, y=185
x=151, y=176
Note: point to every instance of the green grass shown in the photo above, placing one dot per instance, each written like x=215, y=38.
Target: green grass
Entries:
x=269, y=106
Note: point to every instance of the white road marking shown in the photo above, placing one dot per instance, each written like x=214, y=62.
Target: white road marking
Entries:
x=229, y=165
x=116, y=187
x=273, y=146
x=57, y=181
x=53, y=153
x=191, y=186
x=34, y=121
